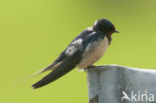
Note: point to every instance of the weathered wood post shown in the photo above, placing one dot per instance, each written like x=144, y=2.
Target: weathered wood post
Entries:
x=118, y=84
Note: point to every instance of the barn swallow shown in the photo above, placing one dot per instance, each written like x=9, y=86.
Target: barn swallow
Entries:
x=87, y=48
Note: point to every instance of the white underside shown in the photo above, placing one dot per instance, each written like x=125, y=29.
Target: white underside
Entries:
x=93, y=53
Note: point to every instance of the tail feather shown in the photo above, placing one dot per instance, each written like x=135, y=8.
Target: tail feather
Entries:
x=59, y=71
x=50, y=67
x=55, y=74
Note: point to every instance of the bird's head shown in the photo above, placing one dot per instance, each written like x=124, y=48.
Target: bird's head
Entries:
x=104, y=26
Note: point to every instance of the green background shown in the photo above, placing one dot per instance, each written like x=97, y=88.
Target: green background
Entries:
x=34, y=32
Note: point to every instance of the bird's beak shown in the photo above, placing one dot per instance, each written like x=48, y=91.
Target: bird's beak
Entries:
x=116, y=31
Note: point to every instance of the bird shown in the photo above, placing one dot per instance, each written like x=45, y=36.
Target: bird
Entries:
x=82, y=52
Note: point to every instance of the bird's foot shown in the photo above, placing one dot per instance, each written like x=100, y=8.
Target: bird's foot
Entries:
x=86, y=69
x=89, y=67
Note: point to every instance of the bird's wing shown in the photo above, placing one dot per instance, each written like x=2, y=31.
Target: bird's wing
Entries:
x=52, y=66
x=72, y=57
x=62, y=56
x=69, y=58
x=92, y=38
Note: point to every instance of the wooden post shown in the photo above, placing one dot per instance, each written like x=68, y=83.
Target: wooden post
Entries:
x=118, y=84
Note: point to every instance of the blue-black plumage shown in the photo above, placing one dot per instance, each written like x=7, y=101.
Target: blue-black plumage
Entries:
x=87, y=48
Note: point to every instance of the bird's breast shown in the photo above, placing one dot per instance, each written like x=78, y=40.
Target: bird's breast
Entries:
x=93, y=53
